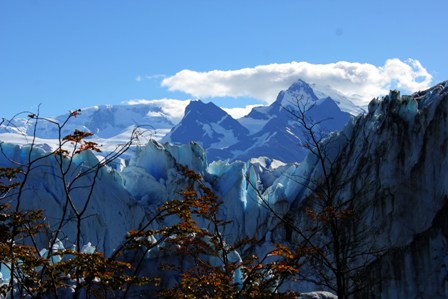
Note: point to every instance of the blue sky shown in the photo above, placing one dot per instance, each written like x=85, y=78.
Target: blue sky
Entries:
x=69, y=54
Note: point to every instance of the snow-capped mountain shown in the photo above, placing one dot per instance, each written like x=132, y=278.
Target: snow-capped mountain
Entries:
x=270, y=131
x=111, y=125
x=346, y=104
x=105, y=122
x=207, y=124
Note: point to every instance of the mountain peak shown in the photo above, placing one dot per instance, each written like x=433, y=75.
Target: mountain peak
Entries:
x=298, y=91
x=206, y=111
x=207, y=124
x=200, y=104
x=299, y=85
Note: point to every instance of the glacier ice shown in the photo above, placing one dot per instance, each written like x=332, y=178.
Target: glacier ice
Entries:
x=109, y=199
x=400, y=144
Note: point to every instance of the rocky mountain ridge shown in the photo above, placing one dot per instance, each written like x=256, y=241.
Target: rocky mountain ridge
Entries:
x=270, y=131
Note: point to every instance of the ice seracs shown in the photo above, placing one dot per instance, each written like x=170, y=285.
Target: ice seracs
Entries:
x=400, y=145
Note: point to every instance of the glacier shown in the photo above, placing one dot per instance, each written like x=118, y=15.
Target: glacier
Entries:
x=399, y=145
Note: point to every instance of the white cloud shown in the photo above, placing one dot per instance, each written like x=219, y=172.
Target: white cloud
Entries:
x=359, y=81
x=173, y=108
x=239, y=112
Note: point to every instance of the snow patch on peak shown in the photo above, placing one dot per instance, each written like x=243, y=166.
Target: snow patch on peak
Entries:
x=347, y=105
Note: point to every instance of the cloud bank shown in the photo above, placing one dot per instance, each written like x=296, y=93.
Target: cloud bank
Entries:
x=238, y=112
x=359, y=81
x=173, y=108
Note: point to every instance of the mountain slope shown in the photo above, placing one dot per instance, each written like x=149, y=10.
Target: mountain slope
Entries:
x=281, y=136
x=208, y=124
x=113, y=123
